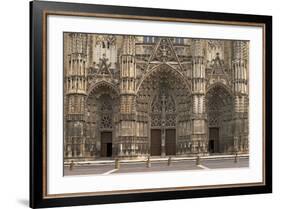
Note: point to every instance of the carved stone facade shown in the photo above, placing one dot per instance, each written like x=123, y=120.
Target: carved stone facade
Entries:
x=135, y=96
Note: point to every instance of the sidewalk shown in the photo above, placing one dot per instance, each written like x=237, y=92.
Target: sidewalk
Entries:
x=155, y=159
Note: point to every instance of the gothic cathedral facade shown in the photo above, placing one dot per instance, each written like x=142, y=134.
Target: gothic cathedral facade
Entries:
x=136, y=96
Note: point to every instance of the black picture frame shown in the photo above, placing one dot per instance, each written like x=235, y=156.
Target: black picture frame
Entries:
x=38, y=12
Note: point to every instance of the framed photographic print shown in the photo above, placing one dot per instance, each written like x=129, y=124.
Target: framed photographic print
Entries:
x=140, y=104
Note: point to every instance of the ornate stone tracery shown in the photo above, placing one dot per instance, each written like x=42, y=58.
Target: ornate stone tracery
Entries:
x=103, y=66
x=163, y=111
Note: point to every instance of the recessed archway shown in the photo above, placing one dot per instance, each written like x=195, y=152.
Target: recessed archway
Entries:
x=163, y=105
x=102, y=107
x=220, y=111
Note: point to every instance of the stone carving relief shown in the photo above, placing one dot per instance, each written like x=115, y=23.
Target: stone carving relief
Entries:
x=164, y=52
x=104, y=66
x=217, y=65
x=106, y=40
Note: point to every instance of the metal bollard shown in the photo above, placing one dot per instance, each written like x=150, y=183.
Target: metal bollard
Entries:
x=71, y=165
x=148, y=163
x=198, y=160
x=117, y=164
x=169, y=161
x=236, y=158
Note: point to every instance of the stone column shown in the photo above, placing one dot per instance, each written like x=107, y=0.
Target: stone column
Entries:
x=163, y=125
x=240, y=89
x=75, y=92
x=199, y=143
x=126, y=141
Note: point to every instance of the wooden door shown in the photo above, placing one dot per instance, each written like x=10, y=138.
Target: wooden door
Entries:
x=214, y=140
x=106, y=144
x=170, y=142
x=155, y=142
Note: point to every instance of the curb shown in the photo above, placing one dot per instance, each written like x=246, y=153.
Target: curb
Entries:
x=164, y=159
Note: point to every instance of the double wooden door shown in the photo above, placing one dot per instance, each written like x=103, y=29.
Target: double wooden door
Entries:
x=170, y=142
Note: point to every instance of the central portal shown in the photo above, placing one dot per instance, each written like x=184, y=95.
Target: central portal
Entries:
x=163, y=105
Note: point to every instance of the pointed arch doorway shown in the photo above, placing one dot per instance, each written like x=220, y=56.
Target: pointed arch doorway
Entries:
x=220, y=107
x=102, y=108
x=162, y=97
